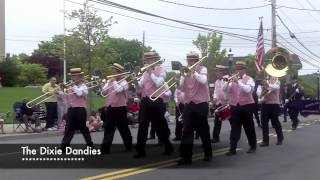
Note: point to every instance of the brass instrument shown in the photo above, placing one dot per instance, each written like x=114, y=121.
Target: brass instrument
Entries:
x=163, y=89
x=144, y=68
x=116, y=75
x=121, y=80
x=42, y=98
x=263, y=95
x=186, y=70
x=233, y=77
x=279, y=62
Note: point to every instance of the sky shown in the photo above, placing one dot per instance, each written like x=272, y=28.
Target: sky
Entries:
x=32, y=21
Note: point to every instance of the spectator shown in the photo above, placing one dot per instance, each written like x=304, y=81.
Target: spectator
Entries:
x=62, y=107
x=94, y=122
x=133, y=112
x=28, y=115
x=51, y=103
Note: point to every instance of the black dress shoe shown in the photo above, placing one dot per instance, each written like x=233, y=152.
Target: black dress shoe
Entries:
x=279, y=143
x=184, y=161
x=294, y=128
x=139, y=155
x=251, y=150
x=231, y=153
x=215, y=140
x=176, y=139
x=264, y=144
x=207, y=158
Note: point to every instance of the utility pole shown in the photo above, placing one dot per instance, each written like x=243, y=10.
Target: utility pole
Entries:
x=143, y=44
x=2, y=30
x=273, y=18
x=64, y=43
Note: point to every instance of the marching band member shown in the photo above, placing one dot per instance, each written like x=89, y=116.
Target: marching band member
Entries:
x=116, y=111
x=77, y=115
x=179, y=101
x=51, y=104
x=195, y=115
x=151, y=80
x=269, y=93
x=241, y=102
x=293, y=101
x=219, y=99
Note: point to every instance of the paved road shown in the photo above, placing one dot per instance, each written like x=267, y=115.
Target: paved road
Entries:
x=298, y=158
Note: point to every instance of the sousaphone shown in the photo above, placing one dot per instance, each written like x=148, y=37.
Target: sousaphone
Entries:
x=279, y=65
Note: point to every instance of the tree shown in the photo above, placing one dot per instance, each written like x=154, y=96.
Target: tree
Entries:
x=210, y=43
x=52, y=63
x=9, y=72
x=32, y=74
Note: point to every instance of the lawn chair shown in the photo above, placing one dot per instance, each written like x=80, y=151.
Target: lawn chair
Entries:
x=17, y=116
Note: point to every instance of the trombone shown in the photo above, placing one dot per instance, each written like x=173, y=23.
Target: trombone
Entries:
x=163, y=89
x=121, y=80
x=48, y=95
x=233, y=77
x=187, y=70
x=144, y=68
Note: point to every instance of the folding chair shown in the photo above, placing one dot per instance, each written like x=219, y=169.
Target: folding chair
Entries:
x=17, y=116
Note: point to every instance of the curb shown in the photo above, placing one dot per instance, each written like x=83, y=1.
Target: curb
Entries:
x=7, y=137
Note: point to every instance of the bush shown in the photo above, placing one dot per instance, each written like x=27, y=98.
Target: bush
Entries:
x=9, y=73
x=32, y=74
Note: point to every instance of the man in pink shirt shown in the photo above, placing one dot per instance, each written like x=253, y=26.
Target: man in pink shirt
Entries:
x=152, y=111
x=241, y=103
x=219, y=99
x=116, y=112
x=269, y=93
x=77, y=115
x=195, y=114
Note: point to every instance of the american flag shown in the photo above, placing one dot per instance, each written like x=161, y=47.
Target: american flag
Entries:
x=260, y=49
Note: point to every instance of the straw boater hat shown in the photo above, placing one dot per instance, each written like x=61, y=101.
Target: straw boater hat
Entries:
x=75, y=71
x=118, y=67
x=151, y=55
x=193, y=56
x=240, y=65
x=221, y=67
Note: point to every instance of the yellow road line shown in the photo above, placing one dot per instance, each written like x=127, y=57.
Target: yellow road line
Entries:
x=154, y=169
x=143, y=166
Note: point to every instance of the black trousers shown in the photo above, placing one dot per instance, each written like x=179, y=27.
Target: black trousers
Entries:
x=271, y=112
x=179, y=124
x=256, y=113
x=52, y=114
x=152, y=111
x=77, y=117
x=116, y=117
x=195, y=118
x=217, y=126
x=293, y=111
x=242, y=116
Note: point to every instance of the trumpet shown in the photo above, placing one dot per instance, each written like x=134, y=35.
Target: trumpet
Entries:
x=162, y=89
x=233, y=77
x=186, y=70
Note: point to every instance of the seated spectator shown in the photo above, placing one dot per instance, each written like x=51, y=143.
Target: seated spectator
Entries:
x=28, y=115
x=94, y=122
x=133, y=112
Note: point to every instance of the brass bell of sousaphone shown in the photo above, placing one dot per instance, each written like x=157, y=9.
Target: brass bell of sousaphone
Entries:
x=279, y=62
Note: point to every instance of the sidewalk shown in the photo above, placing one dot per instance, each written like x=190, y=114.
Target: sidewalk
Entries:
x=11, y=133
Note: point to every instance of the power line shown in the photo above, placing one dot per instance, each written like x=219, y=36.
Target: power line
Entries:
x=293, y=36
x=297, y=48
x=295, y=8
x=217, y=9
x=315, y=19
x=312, y=6
x=119, y=6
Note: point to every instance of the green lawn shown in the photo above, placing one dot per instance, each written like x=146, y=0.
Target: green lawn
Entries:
x=10, y=95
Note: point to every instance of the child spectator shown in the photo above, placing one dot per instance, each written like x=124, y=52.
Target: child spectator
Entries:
x=94, y=122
